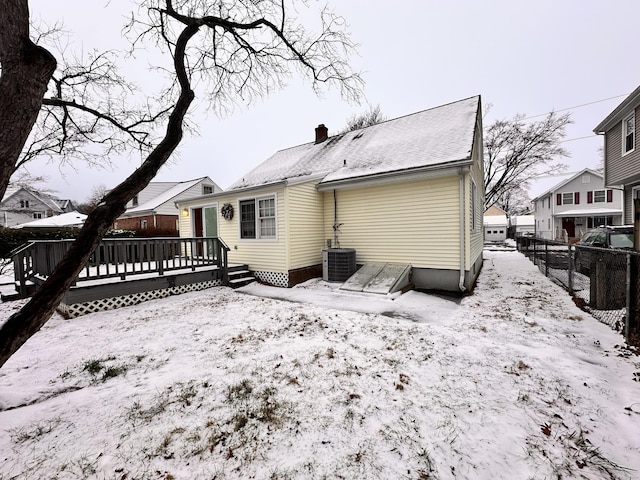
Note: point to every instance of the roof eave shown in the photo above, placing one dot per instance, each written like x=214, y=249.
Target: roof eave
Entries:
x=618, y=113
x=430, y=171
x=225, y=193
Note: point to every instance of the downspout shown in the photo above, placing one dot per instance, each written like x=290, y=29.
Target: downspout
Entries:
x=462, y=232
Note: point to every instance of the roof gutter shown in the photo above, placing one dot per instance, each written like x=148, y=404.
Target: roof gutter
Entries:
x=387, y=178
x=235, y=191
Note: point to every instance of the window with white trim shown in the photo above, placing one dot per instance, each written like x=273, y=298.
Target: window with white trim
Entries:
x=37, y=215
x=567, y=198
x=629, y=133
x=599, y=196
x=258, y=218
x=207, y=189
x=143, y=224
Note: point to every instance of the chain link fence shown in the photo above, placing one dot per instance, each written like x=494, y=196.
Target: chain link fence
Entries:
x=603, y=282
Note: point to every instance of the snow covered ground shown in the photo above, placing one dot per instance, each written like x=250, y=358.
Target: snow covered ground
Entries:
x=512, y=382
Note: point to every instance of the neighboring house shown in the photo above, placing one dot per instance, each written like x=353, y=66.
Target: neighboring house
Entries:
x=622, y=152
x=155, y=206
x=522, y=225
x=21, y=205
x=495, y=224
x=405, y=191
x=581, y=202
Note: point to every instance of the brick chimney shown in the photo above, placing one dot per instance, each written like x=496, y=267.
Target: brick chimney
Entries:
x=322, y=133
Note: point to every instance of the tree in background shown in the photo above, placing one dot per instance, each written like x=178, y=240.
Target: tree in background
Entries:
x=372, y=116
x=515, y=150
x=229, y=49
x=97, y=194
x=515, y=201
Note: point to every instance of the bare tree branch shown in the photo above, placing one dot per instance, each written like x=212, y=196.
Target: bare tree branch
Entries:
x=515, y=151
x=233, y=47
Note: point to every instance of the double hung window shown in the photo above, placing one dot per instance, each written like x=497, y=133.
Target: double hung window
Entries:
x=629, y=133
x=258, y=218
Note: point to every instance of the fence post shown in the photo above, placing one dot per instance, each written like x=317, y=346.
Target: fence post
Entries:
x=159, y=246
x=627, y=321
x=546, y=259
x=570, y=272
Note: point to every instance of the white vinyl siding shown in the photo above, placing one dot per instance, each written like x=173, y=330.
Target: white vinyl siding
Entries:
x=259, y=255
x=475, y=237
x=305, y=220
x=415, y=223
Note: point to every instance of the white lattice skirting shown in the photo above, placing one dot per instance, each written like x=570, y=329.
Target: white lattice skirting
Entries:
x=78, y=309
x=277, y=279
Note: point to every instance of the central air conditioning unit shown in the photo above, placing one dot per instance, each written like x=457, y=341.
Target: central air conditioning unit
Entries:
x=338, y=264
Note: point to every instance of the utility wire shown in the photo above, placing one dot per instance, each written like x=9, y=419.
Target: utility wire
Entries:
x=577, y=106
x=579, y=138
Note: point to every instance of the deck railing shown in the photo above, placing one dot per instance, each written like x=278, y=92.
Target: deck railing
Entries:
x=121, y=257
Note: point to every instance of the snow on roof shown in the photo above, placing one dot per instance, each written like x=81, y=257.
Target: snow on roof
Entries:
x=560, y=181
x=431, y=137
x=70, y=219
x=164, y=197
x=495, y=220
x=591, y=211
x=542, y=184
x=523, y=220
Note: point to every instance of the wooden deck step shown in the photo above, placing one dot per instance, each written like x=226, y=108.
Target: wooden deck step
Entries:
x=240, y=276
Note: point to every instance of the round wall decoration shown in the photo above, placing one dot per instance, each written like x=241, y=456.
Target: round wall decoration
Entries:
x=227, y=211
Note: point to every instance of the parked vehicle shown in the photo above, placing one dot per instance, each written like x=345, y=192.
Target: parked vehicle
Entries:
x=616, y=237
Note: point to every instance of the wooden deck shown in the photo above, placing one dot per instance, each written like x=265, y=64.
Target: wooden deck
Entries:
x=128, y=271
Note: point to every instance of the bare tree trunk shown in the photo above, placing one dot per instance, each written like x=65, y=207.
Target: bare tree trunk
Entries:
x=26, y=322
x=26, y=72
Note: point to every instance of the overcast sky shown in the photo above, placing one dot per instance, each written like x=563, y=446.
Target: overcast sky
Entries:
x=522, y=57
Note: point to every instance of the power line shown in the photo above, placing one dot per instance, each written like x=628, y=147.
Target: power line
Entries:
x=579, y=138
x=577, y=106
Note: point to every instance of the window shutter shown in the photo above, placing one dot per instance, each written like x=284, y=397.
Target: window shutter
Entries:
x=609, y=195
x=576, y=196
x=558, y=199
x=589, y=197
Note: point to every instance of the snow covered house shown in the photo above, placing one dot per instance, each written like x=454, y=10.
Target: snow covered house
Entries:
x=21, y=205
x=154, y=208
x=495, y=225
x=522, y=225
x=405, y=191
x=578, y=203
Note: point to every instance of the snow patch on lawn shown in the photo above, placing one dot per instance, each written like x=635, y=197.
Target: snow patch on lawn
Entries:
x=513, y=381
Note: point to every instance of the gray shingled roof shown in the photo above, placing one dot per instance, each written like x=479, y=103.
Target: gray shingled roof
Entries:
x=441, y=135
